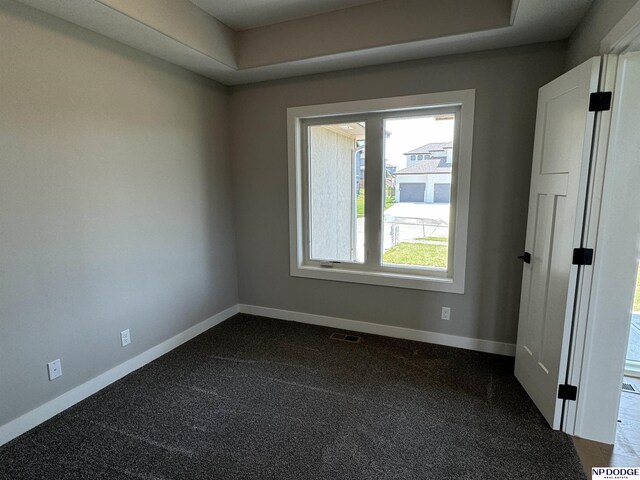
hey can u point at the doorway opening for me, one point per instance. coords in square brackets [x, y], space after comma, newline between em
[632, 364]
[627, 440]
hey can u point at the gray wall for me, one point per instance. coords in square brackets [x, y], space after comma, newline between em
[115, 204]
[601, 18]
[507, 82]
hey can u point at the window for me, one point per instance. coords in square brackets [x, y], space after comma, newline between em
[360, 212]
[419, 157]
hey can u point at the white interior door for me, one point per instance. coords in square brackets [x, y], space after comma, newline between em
[561, 154]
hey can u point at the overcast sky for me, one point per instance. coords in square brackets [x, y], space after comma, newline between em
[410, 133]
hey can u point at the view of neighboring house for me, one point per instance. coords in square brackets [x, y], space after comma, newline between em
[427, 177]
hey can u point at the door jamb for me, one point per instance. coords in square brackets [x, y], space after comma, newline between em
[623, 38]
[577, 368]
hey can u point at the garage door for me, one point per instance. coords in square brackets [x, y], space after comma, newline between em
[442, 193]
[412, 192]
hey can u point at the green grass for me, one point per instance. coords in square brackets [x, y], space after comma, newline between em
[424, 254]
[636, 302]
[388, 202]
[434, 239]
[360, 203]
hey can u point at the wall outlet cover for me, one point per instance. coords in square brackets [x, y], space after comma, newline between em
[55, 369]
[125, 337]
[446, 313]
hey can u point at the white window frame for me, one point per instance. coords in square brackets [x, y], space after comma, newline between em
[450, 281]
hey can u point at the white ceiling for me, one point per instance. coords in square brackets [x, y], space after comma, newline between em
[367, 33]
[245, 14]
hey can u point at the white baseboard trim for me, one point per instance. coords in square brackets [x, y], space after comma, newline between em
[44, 412]
[467, 343]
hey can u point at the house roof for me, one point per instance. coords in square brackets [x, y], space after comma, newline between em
[431, 147]
[432, 165]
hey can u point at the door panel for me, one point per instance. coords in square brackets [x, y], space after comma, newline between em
[562, 150]
[558, 152]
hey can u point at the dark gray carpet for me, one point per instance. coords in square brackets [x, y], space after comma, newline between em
[262, 398]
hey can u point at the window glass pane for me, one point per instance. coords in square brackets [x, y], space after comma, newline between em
[418, 194]
[336, 191]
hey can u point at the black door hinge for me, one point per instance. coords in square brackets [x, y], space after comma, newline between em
[525, 257]
[567, 392]
[600, 101]
[582, 256]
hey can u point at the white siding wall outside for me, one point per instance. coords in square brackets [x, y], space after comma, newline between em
[331, 190]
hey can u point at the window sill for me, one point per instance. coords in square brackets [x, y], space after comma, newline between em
[388, 279]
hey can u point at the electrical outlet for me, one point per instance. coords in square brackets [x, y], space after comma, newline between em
[55, 369]
[446, 313]
[125, 337]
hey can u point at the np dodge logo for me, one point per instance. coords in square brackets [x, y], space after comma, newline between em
[615, 473]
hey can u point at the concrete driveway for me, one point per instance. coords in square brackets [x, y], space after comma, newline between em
[428, 211]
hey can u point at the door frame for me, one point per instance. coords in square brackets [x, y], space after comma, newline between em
[593, 367]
